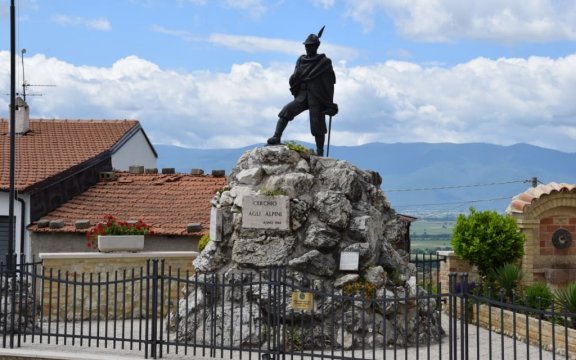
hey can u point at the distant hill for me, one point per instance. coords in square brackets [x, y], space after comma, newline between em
[469, 173]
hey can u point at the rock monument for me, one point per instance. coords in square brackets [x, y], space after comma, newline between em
[328, 225]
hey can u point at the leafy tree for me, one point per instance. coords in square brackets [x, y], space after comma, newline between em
[487, 239]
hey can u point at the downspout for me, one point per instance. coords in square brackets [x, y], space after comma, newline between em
[22, 221]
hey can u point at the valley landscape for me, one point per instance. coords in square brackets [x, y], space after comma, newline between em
[433, 182]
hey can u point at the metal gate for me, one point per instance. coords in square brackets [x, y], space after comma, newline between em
[158, 311]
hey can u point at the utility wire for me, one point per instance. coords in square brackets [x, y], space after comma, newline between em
[455, 203]
[460, 186]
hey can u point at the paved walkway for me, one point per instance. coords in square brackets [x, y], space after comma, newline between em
[481, 346]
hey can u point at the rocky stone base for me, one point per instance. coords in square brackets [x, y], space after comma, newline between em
[334, 208]
[18, 307]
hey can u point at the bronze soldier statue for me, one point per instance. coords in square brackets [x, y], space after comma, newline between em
[312, 85]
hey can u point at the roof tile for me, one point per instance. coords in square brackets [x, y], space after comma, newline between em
[54, 146]
[168, 203]
[522, 200]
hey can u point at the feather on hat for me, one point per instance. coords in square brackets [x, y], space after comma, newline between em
[313, 38]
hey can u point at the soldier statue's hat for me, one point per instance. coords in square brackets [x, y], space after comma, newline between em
[313, 38]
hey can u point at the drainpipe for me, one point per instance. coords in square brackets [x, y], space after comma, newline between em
[22, 222]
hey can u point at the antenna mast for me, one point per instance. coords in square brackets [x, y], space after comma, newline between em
[23, 77]
[24, 83]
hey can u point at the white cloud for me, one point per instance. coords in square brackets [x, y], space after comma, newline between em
[501, 101]
[100, 24]
[193, 2]
[181, 34]
[326, 4]
[447, 20]
[401, 54]
[256, 8]
[255, 44]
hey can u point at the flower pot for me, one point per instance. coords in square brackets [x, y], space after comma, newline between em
[110, 243]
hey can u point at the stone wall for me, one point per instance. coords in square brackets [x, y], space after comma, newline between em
[122, 278]
[542, 260]
[76, 242]
[527, 329]
[454, 264]
[548, 226]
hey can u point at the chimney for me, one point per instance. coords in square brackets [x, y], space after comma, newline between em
[136, 169]
[107, 176]
[22, 122]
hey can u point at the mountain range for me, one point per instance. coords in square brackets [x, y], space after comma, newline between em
[423, 179]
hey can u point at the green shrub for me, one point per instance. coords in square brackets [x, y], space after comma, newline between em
[297, 147]
[538, 296]
[566, 297]
[203, 242]
[360, 287]
[487, 239]
[507, 278]
[221, 190]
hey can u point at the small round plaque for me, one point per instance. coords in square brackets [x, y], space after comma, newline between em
[561, 239]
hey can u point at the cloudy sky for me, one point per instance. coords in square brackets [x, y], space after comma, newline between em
[213, 73]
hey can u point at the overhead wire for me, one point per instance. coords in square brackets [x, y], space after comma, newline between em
[459, 186]
[534, 181]
[456, 202]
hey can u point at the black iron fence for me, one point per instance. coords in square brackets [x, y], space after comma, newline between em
[159, 311]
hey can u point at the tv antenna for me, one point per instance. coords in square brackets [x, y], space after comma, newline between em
[24, 83]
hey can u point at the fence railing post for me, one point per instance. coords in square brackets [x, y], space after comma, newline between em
[11, 289]
[153, 341]
[4, 295]
[464, 316]
[452, 317]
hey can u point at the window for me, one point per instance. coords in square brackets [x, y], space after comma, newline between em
[3, 238]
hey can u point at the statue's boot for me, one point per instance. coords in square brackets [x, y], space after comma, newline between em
[320, 145]
[280, 126]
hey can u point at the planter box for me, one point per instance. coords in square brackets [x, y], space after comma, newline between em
[110, 243]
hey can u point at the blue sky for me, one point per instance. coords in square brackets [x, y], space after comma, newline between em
[213, 74]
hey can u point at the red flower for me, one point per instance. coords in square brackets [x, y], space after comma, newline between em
[111, 226]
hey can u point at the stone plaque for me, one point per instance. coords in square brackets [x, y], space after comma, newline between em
[303, 301]
[215, 224]
[349, 261]
[266, 212]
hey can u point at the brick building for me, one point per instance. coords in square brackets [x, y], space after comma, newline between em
[546, 214]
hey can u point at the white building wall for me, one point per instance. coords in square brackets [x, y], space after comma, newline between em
[136, 151]
[4, 211]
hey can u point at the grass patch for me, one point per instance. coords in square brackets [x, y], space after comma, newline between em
[423, 228]
[430, 235]
[292, 145]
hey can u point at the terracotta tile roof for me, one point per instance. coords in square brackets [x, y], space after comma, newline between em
[520, 201]
[53, 146]
[168, 203]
